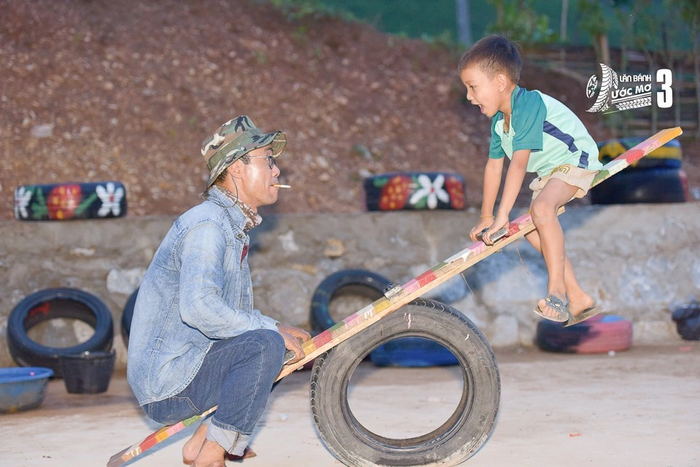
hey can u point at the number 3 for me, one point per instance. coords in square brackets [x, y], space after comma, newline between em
[664, 97]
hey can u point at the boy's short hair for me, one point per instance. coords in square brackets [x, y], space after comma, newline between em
[494, 54]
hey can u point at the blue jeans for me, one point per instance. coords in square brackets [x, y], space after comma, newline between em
[237, 375]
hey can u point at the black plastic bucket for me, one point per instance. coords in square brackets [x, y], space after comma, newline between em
[87, 372]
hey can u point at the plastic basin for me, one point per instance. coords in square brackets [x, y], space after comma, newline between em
[22, 388]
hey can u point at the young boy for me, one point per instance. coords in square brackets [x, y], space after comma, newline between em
[538, 134]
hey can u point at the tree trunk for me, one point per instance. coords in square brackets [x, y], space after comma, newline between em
[604, 48]
[562, 31]
[464, 26]
[696, 64]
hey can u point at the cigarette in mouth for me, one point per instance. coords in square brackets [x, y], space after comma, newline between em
[279, 185]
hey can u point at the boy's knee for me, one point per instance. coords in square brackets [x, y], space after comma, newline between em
[542, 211]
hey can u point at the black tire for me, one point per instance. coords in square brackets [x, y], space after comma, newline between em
[687, 320]
[68, 201]
[346, 281]
[668, 156]
[642, 186]
[460, 436]
[127, 316]
[393, 191]
[52, 304]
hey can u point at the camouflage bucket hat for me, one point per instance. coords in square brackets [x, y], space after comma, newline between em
[233, 140]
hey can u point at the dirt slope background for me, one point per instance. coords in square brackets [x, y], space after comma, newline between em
[98, 90]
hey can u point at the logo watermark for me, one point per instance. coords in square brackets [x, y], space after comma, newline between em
[618, 92]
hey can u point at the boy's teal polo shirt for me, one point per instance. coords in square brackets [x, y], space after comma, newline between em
[549, 129]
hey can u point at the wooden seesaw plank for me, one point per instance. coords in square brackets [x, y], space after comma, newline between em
[399, 296]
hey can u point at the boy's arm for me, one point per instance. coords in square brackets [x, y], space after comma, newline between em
[492, 181]
[511, 189]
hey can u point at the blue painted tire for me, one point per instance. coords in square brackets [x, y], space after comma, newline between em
[412, 352]
[50, 304]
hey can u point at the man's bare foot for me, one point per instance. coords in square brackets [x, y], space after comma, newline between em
[547, 309]
[578, 305]
[210, 455]
[194, 444]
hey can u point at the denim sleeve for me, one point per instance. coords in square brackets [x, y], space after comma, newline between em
[202, 275]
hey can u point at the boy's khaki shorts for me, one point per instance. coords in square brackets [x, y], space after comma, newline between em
[569, 174]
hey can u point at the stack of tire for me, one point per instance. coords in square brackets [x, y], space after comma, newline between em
[655, 178]
[51, 304]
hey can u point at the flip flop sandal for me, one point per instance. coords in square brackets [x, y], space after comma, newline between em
[563, 313]
[583, 316]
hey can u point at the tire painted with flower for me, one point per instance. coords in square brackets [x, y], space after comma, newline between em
[414, 191]
[68, 201]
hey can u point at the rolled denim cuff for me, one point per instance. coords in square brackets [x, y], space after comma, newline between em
[228, 438]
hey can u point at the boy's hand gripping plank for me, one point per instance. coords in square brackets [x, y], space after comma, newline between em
[398, 296]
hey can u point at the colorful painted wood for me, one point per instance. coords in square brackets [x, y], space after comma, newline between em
[403, 294]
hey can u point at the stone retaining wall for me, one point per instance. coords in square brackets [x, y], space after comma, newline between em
[637, 261]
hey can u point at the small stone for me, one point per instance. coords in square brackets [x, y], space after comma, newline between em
[79, 251]
[124, 281]
[44, 130]
[334, 248]
[362, 151]
[288, 243]
[322, 162]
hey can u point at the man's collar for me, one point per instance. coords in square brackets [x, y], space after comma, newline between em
[222, 194]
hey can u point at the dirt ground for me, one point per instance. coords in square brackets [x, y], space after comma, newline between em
[128, 90]
[633, 408]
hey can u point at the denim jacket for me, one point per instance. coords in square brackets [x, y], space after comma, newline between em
[196, 291]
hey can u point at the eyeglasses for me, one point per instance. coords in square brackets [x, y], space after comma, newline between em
[270, 160]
